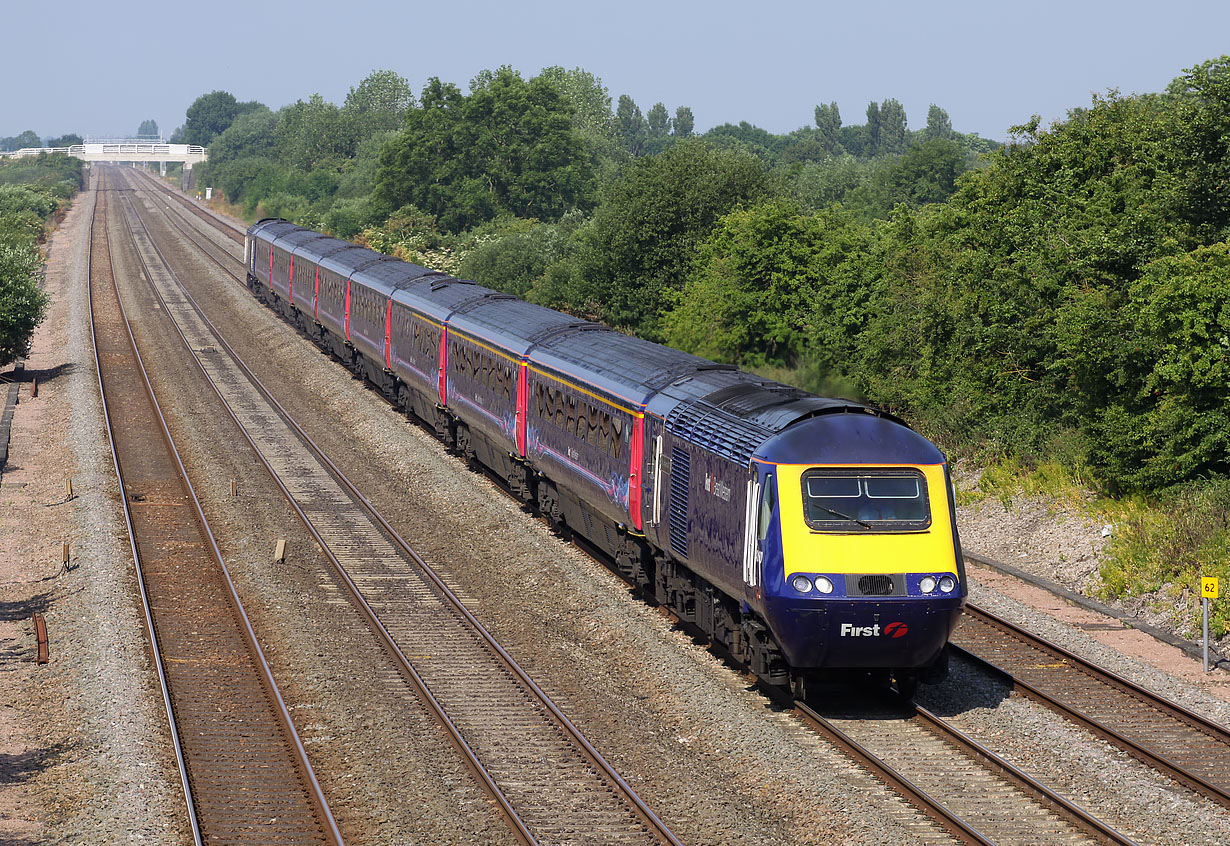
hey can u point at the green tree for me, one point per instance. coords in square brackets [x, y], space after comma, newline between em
[642, 239]
[745, 136]
[588, 97]
[893, 133]
[252, 134]
[312, 134]
[65, 140]
[938, 124]
[509, 147]
[872, 146]
[29, 138]
[828, 124]
[148, 129]
[630, 125]
[23, 304]
[773, 285]
[684, 122]
[591, 115]
[658, 121]
[378, 104]
[208, 116]
[1167, 389]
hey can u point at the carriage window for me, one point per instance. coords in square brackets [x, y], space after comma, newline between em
[866, 500]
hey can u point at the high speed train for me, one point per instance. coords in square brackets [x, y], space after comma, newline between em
[812, 538]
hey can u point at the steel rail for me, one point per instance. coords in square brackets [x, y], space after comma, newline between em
[1073, 813]
[155, 647]
[651, 820]
[1157, 759]
[282, 714]
[920, 798]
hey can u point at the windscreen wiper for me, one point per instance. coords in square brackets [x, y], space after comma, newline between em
[862, 523]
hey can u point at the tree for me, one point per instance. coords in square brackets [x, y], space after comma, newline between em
[630, 125]
[588, 98]
[748, 137]
[29, 138]
[938, 124]
[872, 147]
[508, 147]
[252, 134]
[658, 121]
[312, 134]
[684, 122]
[377, 104]
[208, 116]
[591, 114]
[657, 129]
[893, 135]
[65, 140]
[148, 129]
[1169, 386]
[642, 239]
[23, 304]
[772, 286]
[828, 123]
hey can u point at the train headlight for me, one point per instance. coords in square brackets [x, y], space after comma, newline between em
[823, 584]
[801, 583]
[948, 584]
[926, 584]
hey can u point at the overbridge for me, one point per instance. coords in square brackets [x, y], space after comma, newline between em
[128, 151]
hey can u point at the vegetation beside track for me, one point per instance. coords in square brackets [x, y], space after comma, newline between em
[33, 192]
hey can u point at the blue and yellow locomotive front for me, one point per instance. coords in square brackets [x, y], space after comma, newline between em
[857, 545]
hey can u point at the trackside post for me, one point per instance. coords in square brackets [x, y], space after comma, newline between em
[1208, 591]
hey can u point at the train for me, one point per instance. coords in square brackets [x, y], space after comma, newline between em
[814, 539]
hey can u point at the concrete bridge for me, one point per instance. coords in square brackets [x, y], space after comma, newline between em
[128, 151]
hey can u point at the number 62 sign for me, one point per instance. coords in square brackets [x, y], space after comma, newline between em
[1208, 588]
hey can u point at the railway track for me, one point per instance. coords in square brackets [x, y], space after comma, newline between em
[998, 803]
[245, 776]
[968, 790]
[1159, 733]
[551, 783]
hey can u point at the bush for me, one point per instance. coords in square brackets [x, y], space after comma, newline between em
[23, 304]
[1165, 546]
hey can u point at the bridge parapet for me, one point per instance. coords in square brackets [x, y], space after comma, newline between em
[189, 154]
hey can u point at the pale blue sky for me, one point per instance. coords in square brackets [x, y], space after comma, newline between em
[102, 68]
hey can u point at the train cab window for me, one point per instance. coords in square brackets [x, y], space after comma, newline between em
[768, 502]
[888, 500]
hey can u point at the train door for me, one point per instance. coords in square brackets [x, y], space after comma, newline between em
[761, 503]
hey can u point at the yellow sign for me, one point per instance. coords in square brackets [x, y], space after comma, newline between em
[1208, 588]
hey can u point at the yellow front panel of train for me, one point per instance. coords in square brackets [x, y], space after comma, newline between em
[807, 550]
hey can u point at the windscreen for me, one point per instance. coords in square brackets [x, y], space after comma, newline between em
[862, 500]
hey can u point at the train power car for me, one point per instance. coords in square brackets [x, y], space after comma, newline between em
[813, 538]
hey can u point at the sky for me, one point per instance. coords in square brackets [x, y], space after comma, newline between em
[100, 69]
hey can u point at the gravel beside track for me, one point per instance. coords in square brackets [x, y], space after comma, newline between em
[84, 752]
